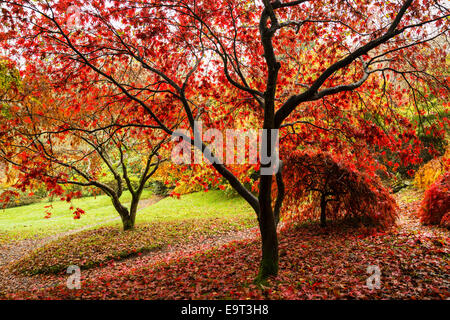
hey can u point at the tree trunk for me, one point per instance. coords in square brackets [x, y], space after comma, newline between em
[323, 212]
[269, 240]
[128, 222]
[133, 209]
[128, 217]
[269, 259]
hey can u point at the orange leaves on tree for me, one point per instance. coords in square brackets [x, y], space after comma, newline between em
[432, 170]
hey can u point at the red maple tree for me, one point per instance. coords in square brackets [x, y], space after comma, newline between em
[57, 139]
[278, 57]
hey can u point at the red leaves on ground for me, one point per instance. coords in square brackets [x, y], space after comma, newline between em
[314, 264]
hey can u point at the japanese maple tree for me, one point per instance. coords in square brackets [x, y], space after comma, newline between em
[337, 188]
[189, 49]
[59, 139]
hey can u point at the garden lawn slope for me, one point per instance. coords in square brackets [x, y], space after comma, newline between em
[171, 221]
[91, 248]
[28, 221]
[211, 204]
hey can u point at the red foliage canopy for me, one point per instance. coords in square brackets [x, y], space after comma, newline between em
[304, 62]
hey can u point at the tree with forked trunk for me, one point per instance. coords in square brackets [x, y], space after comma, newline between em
[189, 49]
[44, 142]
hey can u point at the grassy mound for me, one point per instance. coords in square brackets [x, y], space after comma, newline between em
[91, 248]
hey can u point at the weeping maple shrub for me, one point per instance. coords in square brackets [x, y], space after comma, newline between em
[336, 189]
[435, 207]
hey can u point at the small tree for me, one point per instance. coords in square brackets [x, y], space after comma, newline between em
[336, 188]
[43, 142]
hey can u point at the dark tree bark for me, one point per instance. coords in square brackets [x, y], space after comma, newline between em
[126, 215]
[269, 240]
[323, 211]
[267, 221]
[128, 222]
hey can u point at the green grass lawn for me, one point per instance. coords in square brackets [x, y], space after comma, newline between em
[202, 204]
[28, 221]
